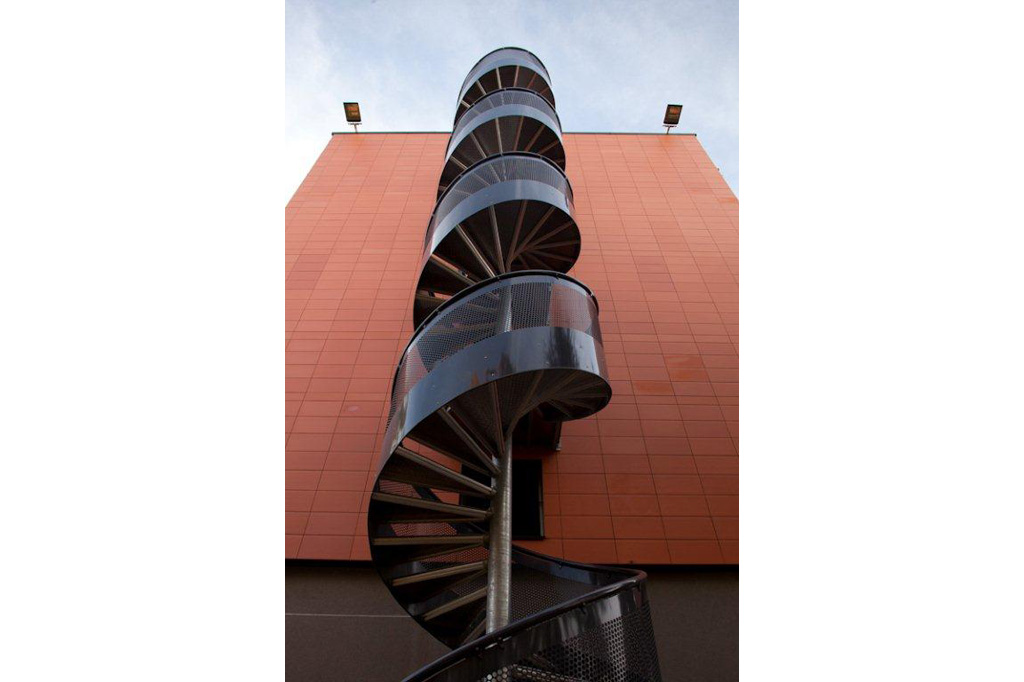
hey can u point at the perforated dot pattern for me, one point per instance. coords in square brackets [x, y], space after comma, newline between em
[491, 172]
[500, 98]
[521, 57]
[506, 305]
[620, 650]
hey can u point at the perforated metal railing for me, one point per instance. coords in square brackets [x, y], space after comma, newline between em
[619, 650]
[532, 299]
[571, 623]
[491, 171]
[503, 56]
[499, 98]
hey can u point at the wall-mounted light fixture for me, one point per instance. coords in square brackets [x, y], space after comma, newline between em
[672, 113]
[352, 115]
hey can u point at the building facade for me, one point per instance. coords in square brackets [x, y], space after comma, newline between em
[650, 480]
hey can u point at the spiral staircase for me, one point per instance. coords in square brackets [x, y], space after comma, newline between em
[505, 343]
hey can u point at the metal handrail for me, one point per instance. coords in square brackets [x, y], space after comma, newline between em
[635, 579]
[476, 166]
[507, 47]
[542, 105]
[475, 72]
[494, 157]
[430, 319]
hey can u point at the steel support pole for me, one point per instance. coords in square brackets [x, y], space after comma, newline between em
[499, 560]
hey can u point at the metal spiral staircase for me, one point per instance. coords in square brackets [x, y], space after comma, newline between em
[504, 340]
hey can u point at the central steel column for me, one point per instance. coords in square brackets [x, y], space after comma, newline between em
[499, 561]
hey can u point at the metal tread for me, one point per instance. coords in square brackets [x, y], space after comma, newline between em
[459, 483]
[413, 540]
[423, 576]
[455, 603]
[430, 505]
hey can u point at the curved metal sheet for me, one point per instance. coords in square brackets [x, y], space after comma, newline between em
[502, 50]
[510, 190]
[531, 343]
[509, 177]
[610, 627]
[511, 102]
[506, 56]
[499, 357]
[507, 110]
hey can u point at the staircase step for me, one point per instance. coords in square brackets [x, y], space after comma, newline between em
[429, 301]
[423, 596]
[471, 567]
[428, 435]
[434, 475]
[393, 555]
[435, 511]
[476, 627]
[450, 272]
[429, 540]
[483, 455]
[455, 604]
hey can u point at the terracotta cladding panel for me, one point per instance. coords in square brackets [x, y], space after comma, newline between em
[651, 479]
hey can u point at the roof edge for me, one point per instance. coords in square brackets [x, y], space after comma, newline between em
[449, 132]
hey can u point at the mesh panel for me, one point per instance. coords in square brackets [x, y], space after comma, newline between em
[542, 302]
[509, 135]
[414, 528]
[620, 650]
[566, 310]
[468, 586]
[533, 591]
[492, 172]
[396, 488]
[487, 63]
[462, 556]
[501, 98]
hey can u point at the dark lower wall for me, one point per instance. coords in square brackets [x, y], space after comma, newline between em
[342, 624]
[696, 622]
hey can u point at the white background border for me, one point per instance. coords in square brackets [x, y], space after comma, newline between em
[881, 366]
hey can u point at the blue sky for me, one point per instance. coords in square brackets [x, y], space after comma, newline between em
[614, 66]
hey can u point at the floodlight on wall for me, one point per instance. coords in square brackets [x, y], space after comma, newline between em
[352, 115]
[672, 113]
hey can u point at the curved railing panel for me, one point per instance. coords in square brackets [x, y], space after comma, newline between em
[508, 177]
[501, 98]
[508, 325]
[504, 68]
[509, 120]
[501, 57]
[605, 634]
[508, 213]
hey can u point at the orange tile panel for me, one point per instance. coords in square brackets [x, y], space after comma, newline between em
[651, 479]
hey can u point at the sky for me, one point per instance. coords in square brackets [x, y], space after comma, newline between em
[613, 65]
